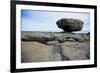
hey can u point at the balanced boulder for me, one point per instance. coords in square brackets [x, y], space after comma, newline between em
[69, 24]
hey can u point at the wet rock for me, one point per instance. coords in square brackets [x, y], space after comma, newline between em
[70, 25]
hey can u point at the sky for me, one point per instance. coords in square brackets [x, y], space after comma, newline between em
[45, 21]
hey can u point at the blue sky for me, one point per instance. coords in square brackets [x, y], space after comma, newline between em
[46, 20]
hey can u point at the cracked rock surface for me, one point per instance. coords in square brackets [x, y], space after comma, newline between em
[53, 46]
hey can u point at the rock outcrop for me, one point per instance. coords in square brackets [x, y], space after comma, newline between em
[44, 37]
[69, 24]
[47, 46]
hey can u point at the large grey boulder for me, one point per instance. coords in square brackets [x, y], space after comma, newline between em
[71, 53]
[35, 52]
[69, 24]
[85, 46]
